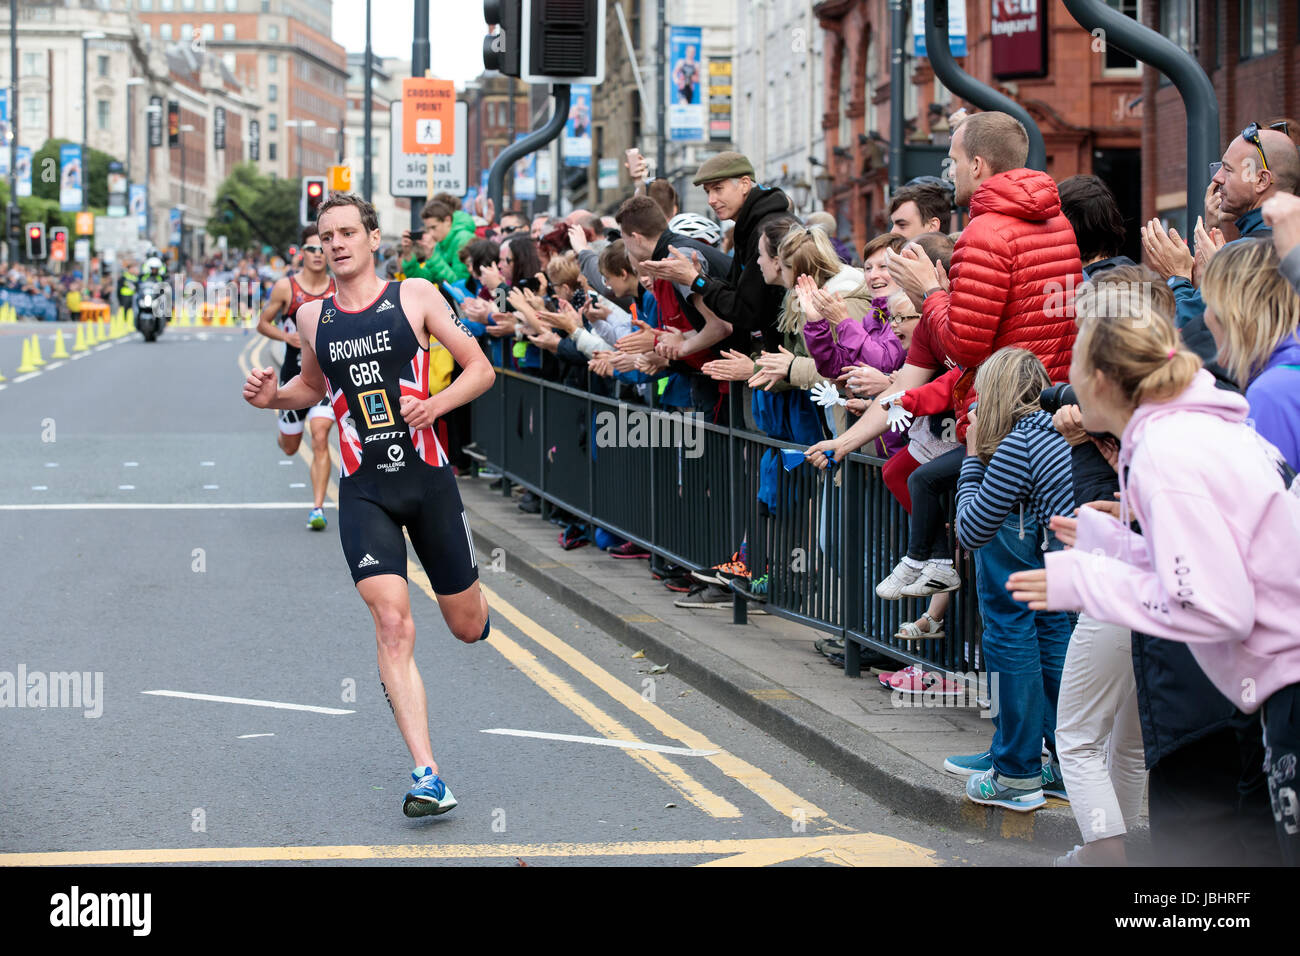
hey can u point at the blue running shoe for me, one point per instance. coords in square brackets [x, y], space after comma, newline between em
[1053, 783]
[429, 796]
[969, 764]
[984, 788]
[316, 520]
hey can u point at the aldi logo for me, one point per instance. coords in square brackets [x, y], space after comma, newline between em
[374, 405]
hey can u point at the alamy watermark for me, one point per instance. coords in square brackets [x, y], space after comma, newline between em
[973, 689]
[643, 428]
[78, 690]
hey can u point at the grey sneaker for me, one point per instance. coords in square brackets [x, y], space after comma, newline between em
[1053, 782]
[966, 765]
[983, 788]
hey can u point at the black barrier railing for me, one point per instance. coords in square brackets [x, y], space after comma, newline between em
[691, 492]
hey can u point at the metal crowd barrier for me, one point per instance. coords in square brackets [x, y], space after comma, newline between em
[692, 499]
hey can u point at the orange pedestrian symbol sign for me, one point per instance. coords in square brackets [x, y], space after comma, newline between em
[428, 116]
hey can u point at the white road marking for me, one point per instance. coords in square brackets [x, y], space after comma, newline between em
[51, 464]
[248, 736]
[100, 348]
[297, 484]
[211, 487]
[286, 461]
[206, 464]
[40, 487]
[130, 464]
[23, 378]
[161, 506]
[278, 705]
[605, 742]
[126, 487]
[79, 355]
[53, 365]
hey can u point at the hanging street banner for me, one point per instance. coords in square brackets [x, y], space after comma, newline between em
[577, 131]
[140, 205]
[608, 175]
[116, 189]
[685, 109]
[1019, 39]
[525, 172]
[254, 140]
[219, 127]
[408, 173]
[155, 120]
[956, 27]
[720, 100]
[428, 108]
[4, 132]
[70, 177]
[24, 162]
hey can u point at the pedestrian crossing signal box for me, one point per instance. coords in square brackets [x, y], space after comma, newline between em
[35, 240]
[314, 192]
[59, 244]
[546, 41]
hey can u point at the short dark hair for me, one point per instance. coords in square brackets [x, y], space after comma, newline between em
[642, 215]
[933, 202]
[937, 246]
[435, 208]
[367, 212]
[614, 260]
[308, 231]
[479, 253]
[1090, 207]
[662, 192]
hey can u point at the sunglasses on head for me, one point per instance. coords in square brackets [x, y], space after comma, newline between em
[312, 249]
[1251, 135]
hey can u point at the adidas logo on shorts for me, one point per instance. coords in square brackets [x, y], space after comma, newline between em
[367, 561]
[388, 304]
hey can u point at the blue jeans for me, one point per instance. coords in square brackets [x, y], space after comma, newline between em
[1024, 651]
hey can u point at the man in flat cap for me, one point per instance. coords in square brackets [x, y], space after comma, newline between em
[741, 297]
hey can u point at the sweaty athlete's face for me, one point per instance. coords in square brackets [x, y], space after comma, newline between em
[348, 247]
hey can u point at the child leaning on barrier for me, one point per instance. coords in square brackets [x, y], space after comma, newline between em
[1216, 565]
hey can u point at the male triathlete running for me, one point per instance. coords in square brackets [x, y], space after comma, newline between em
[367, 347]
[287, 296]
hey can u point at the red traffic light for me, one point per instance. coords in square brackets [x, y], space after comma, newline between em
[314, 190]
[293, 250]
[34, 232]
[59, 235]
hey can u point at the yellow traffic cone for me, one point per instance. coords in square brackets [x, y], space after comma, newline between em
[80, 344]
[60, 350]
[36, 350]
[27, 364]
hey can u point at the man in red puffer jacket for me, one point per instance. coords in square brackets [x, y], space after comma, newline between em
[1014, 268]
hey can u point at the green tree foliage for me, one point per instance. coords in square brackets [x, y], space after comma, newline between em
[45, 173]
[271, 203]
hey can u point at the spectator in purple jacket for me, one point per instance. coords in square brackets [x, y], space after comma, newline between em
[1253, 314]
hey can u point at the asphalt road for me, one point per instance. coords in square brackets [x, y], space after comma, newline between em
[184, 565]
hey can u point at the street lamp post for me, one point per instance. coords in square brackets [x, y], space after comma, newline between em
[131, 84]
[298, 125]
[186, 128]
[85, 107]
[335, 131]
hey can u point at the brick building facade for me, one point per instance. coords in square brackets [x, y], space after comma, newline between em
[1087, 104]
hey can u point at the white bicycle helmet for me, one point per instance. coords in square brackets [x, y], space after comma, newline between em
[694, 226]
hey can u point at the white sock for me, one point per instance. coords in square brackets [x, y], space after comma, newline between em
[913, 563]
[947, 561]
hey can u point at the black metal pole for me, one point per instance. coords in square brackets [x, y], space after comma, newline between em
[367, 175]
[559, 172]
[534, 140]
[510, 134]
[661, 123]
[1199, 101]
[897, 29]
[85, 110]
[419, 64]
[13, 126]
[968, 88]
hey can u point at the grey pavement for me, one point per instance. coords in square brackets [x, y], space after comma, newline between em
[245, 603]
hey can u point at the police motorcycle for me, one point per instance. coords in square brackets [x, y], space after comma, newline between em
[151, 300]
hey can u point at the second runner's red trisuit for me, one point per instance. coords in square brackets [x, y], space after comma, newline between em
[292, 419]
[391, 476]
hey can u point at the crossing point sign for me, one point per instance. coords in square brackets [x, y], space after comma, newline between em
[410, 171]
[429, 124]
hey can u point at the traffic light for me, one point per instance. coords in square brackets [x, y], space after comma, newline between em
[293, 251]
[15, 223]
[546, 41]
[313, 194]
[35, 240]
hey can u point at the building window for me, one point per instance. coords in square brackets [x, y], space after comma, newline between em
[266, 6]
[272, 92]
[148, 31]
[32, 63]
[209, 31]
[165, 31]
[232, 5]
[273, 32]
[1115, 58]
[187, 32]
[272, 121]
[209, 5]
[270, 151]
[102, 112]
[166, 5]
[1178, 22]
[32, 115]
[273, 63]
[146, 4]
[187, 4]
[101, 64]
[1258, 28]
[227, 31]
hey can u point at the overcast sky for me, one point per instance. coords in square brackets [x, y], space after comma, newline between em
[456, 32]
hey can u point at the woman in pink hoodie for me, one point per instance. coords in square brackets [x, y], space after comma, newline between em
[1217, 564]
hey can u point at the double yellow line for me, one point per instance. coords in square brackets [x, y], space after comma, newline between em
[775, 794]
